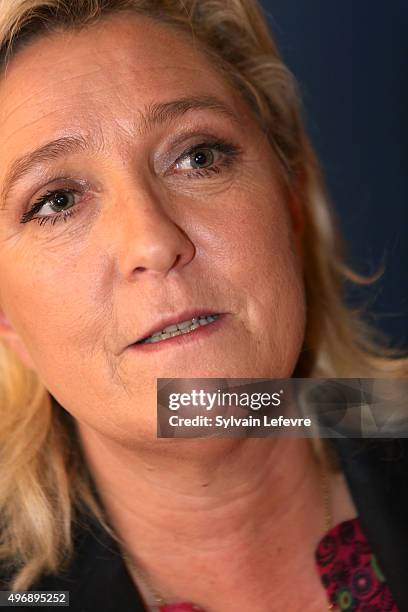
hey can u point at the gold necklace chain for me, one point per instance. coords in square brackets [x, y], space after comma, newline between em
[160, 601]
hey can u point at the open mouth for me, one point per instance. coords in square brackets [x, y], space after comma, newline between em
[177, 329]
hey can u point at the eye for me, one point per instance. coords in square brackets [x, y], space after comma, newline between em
[203, 158]
[57, 201]
[207, 159]
[200, 158]
[52, 205]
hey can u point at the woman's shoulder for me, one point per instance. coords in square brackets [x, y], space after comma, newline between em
[375, 470]
[383, 460]
[95, 578]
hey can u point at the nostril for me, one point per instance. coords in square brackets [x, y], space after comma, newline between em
[174, 264]
[176, 261]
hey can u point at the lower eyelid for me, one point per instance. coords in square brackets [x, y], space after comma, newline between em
[53, 219]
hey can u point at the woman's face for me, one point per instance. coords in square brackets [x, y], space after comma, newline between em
[142, 230]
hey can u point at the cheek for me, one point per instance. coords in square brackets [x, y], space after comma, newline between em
[276, 298]
[265, 265]
[49, 305]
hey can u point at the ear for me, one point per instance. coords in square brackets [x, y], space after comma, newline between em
[13, 341]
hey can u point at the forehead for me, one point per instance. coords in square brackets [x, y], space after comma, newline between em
[100, 77]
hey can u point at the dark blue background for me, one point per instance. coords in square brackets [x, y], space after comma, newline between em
[350, 58]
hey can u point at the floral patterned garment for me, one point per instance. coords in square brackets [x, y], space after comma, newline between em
[350, 572]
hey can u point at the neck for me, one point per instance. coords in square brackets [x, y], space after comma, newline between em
[194, 506]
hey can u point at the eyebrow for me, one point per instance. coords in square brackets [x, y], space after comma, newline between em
[154, 114]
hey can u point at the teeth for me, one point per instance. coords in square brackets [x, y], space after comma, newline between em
[184, 324]
[185, 327]
[170, 328]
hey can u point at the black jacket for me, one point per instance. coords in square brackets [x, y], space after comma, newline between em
[377, 474]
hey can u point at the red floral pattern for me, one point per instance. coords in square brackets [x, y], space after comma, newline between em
[350, 571]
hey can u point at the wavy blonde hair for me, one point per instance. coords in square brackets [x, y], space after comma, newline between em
[44, 480]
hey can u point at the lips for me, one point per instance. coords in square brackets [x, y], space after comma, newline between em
[176, 318]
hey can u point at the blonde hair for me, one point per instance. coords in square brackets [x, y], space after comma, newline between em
[43, 478]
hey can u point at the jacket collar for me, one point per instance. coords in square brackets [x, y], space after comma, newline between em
[97, 577]
[376, 472]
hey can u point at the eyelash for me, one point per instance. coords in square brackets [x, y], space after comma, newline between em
[229, 150]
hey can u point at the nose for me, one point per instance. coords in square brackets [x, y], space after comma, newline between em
[145, 238]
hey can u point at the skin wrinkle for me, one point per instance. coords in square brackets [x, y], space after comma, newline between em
[225, 243]
[79, 77]
[148, 119]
